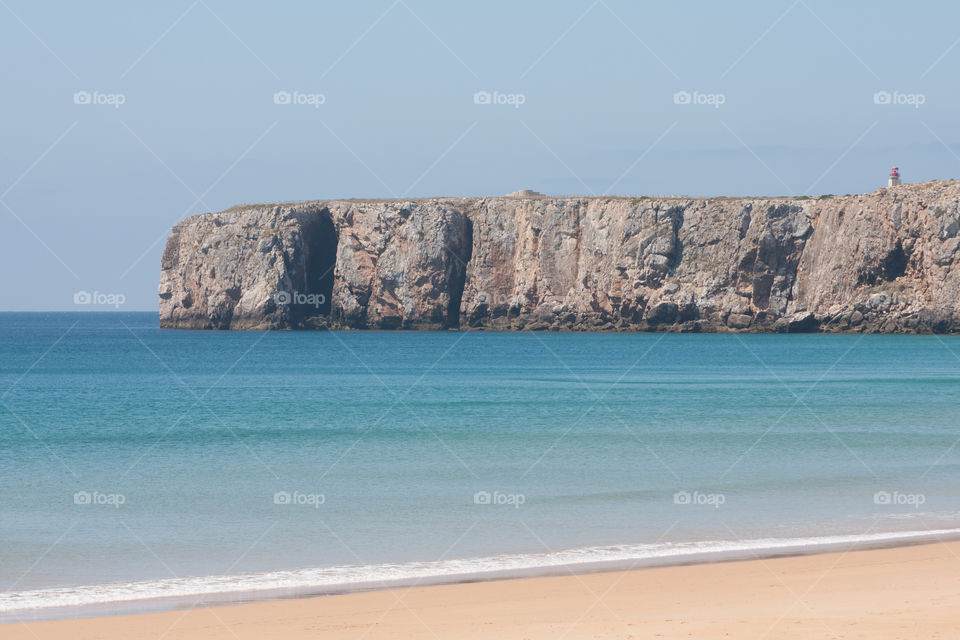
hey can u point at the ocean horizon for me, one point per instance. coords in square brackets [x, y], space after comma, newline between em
[144, 469]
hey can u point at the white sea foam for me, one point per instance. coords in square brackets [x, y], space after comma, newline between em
[344, 578]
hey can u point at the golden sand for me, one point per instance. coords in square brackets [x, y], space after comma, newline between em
[906, 592]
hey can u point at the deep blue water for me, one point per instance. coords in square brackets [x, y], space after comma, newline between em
[185, 442]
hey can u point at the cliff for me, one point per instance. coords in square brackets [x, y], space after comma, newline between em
[878, 262]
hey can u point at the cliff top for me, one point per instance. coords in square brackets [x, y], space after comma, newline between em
[936, 186]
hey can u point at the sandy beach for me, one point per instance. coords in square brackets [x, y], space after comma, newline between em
[906, 592]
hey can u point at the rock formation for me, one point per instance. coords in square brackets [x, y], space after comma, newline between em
[879, 262]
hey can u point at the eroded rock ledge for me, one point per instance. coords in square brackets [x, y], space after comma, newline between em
[879, 262]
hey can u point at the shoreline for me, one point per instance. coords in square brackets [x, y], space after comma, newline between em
[670, 555]
[876, 593]
[694, 328]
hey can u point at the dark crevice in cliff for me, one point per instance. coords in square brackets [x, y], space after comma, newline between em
[677, 215]
[458, 274]
[311, 306]
[895, 263]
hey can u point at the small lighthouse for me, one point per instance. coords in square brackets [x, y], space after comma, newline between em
[894, 180]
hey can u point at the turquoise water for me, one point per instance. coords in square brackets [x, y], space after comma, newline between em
[137, 463]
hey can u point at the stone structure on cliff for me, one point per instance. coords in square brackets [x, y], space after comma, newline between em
[878, 262]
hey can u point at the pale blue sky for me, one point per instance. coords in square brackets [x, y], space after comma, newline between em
[89, 191]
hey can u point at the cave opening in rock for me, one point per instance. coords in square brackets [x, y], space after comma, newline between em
[320, 241]
[895, 263]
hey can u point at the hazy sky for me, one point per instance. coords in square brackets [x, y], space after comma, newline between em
[120, 118]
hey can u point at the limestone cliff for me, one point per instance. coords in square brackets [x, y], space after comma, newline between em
[875, 262]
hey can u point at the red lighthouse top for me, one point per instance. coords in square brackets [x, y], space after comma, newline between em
[895, 172]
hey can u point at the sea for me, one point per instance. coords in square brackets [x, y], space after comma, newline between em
[144, 469]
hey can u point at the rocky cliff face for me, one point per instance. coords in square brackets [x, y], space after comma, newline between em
[876, 262]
